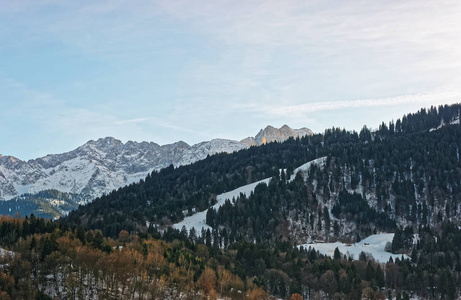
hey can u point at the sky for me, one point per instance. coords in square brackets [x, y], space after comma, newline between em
[164, 71]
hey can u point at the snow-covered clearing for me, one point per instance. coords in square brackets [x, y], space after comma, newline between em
[373, 245]
[198, 220]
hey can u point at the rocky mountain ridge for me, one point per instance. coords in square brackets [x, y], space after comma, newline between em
[272, 134]
[101, 166]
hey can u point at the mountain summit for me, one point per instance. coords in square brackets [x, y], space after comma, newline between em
[272, 134]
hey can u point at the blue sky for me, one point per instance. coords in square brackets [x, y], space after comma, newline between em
[164, 71]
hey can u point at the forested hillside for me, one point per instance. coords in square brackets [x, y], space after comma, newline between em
[365, 186]
[46, 204]
[404, 169]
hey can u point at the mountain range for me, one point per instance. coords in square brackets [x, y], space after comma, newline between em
[100, 166]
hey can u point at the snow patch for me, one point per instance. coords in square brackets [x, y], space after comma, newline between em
[4, 253]
[373, 245]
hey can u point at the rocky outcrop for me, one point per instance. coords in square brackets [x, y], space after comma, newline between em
[272, 134]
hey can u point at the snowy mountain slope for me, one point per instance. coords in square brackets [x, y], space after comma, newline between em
[100, 166]
[95, 168]
[202, 150]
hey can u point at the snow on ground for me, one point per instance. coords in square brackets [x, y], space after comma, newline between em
[4, 253]
[198, 220]
[453, 122]
[373, 245]
[304, 168]
[21, 189]
[69, 177]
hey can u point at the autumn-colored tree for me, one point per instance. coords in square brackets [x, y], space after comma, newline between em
[370, 294]
[296, 296]
[207, 281]
[257, 294]
[224, 278]
[212, 295]
[6, 283]
[154, 261]
[4, 296]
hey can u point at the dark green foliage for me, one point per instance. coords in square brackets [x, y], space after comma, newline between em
[380, 281]
[436, 255]
[353, 206]
[81, 235]
[10, 232]
[47, 245]
[42, 296]
[337, 254]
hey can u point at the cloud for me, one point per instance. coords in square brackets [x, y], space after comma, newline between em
[161, 123]
[323, 23]
[139, 120]
[412, 42]
[295, 52]
[296, 111]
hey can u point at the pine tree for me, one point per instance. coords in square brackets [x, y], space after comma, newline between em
[337, 254]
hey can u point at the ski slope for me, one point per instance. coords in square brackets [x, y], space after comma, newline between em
[373, 245]
[198, 220]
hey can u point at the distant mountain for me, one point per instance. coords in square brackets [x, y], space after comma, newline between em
[98, 167]
[202, 150]
[271, 134]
